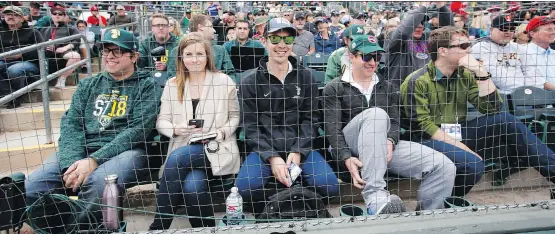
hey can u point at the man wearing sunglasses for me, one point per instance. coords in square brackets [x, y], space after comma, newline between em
[539, 57]
[338, 62]
[102, 133]
[67, 51]
[280, 115]
[435, 101]
[503, 59]
[362, 126]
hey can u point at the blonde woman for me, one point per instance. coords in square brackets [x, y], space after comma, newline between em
[175, 27]
[521, 36]
[201, 103]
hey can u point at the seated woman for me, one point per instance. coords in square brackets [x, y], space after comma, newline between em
[198, 92]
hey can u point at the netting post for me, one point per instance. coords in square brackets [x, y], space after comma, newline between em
[43, 68]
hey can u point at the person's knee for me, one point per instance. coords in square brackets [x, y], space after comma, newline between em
[195, 183]
[21, 69]
[72, 56]
[377, 117]
[183, 154]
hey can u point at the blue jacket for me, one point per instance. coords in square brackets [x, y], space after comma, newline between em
[327, 46]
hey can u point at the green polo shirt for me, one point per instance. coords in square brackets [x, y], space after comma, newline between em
[430, 99]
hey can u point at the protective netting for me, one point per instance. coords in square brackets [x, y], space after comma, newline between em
[322, 114]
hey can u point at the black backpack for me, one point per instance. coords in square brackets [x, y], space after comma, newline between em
[12, 202]
[295, 202]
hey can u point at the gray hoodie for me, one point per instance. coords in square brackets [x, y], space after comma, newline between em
[405, 54]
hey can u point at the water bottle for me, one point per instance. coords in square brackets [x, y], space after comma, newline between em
[111, 196]
[234, 208]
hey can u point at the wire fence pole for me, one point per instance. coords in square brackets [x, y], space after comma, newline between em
[43, 68]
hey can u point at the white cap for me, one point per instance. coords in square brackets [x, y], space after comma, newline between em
[234, 189]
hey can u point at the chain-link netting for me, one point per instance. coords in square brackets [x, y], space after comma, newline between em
[275, 116]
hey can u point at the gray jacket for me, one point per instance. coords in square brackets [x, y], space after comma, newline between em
[405, 54]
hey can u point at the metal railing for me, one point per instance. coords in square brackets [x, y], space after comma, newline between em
[45, 77]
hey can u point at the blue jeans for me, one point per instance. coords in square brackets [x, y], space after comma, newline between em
[13, 76]
[480, 134]
[129, 166]
[255, 173]
[185, 182]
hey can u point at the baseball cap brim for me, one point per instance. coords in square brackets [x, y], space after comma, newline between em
[370, 49]
[119, 44]
[291, 30]
[13, 12]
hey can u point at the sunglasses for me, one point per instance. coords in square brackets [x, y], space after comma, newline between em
[507, 29]
[371, 56]
[58, 13]
[274, 39]
[462, 46]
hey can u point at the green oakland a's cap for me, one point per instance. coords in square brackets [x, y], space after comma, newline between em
[364, 44]
[121, 38]
[354, 30]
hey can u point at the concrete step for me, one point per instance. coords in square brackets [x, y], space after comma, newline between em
[30, 116]
[55, 94]
[80, 76]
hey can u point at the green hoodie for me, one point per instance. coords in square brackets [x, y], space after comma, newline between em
[108, 116]
[149, 44]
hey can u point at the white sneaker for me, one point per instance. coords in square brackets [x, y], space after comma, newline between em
[61, 83]
[392, 205]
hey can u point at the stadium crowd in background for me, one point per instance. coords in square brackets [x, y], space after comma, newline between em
[392, 79]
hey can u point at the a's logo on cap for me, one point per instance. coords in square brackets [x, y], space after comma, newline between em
[115, 33]
[359, 30]
[372, 39]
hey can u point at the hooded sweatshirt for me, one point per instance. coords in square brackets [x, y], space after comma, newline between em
[405, 54]
[149, 44]
[108, 117]
[16, 39]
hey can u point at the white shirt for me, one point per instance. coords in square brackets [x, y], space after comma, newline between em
[539, 63]
[347, 77]
[505, 64]
[290, 69]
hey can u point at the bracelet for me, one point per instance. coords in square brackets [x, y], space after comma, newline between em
[484, 77]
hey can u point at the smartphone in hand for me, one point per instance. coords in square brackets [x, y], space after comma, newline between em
[198, 123]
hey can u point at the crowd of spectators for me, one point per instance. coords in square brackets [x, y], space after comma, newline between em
[386, 71]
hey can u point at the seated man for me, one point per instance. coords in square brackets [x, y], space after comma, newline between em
[161, 37]
[277, 102]
[501, 58]
[435, 101]
[244, 42]
[338, 62]
[325, 41]
[202, 24]
[18, 70]
[539, 57]
[102, 133]
[65, 52]
[362, 126]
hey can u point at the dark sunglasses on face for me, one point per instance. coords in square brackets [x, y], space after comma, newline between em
[58, 13]
[462, 46]
[371, 56]
[274, 39]
[507, 29]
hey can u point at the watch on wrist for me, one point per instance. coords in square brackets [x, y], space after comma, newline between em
[488, 76]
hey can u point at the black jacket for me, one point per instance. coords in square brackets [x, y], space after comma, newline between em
[23, 37]
[279, 118]
[62, 31]
[342, 102]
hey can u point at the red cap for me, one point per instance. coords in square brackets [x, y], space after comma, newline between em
[457, 8]
[94, 8]
[538, 21]
[493, 8]
[512, 9]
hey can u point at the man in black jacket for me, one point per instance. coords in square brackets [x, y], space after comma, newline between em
[18, 70]
[279, 115]
[66, 51]
[362, 125]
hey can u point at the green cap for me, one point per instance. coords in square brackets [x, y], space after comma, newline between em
[122, 38]
[354, 30]
[364, 44]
